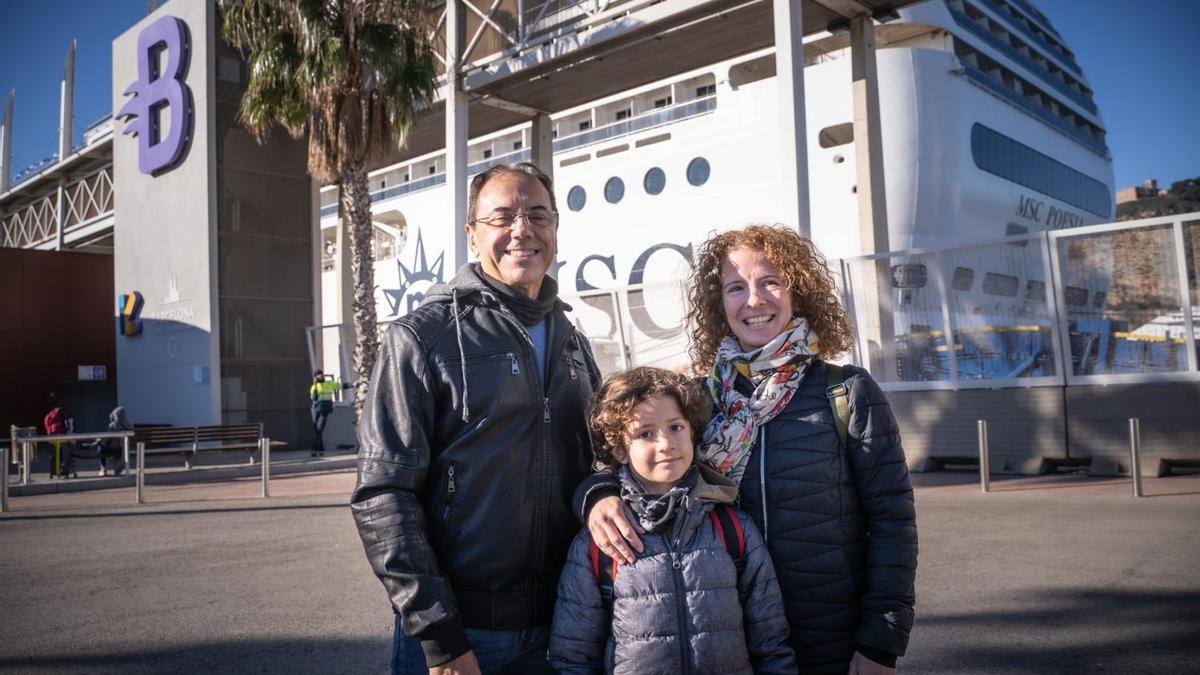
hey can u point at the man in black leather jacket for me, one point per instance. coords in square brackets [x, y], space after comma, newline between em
[472, 440]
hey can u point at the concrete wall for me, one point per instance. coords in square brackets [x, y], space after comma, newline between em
[1056, 423]
[1024, 425]
[1099, 422]
[165, 241]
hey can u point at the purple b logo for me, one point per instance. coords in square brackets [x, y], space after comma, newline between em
[154, 90]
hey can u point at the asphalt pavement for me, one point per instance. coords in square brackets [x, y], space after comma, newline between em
[1055, 574]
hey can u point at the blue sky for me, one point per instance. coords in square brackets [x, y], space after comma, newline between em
[1139, 55]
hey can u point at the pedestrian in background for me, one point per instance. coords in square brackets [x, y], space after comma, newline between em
[321, 394]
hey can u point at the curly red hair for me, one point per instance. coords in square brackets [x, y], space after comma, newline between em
[803, 268]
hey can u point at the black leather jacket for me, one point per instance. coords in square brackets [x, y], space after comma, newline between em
[466, 465]
[839, 522]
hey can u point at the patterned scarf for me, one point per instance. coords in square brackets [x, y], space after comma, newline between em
[653, 511]
[776, 369]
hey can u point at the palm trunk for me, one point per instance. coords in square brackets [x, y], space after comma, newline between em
[356, 208]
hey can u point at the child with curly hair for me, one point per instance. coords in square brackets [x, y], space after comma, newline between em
[702, 597]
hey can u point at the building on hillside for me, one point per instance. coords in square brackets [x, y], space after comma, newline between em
[1144, 191]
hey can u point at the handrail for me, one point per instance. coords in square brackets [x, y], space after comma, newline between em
[57, 438]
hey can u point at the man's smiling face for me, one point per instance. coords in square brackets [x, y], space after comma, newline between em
[519, 255]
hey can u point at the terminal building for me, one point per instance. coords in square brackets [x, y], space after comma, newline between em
[947, 155]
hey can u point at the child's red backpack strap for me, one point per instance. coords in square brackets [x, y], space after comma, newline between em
[604, 569]
[729, 528]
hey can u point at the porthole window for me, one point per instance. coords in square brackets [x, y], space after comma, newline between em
[576, 198]
[655, 181]
[698, 171]
[614, 190]
[838, 134]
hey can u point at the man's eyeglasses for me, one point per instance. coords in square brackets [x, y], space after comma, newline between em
[540, 218]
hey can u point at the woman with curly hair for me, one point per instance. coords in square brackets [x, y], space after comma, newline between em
[838, 517]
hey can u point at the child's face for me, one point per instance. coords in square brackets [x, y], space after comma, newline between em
[658, 443]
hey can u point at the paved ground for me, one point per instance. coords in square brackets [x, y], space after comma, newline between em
[1050, 574]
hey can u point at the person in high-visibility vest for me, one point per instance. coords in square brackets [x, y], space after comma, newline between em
[321, 394]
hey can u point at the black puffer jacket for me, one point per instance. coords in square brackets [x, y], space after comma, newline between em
[466, 466]
[839, 523]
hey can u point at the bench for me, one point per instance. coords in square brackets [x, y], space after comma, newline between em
[190, 441]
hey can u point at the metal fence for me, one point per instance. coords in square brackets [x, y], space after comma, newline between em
[1090, 305]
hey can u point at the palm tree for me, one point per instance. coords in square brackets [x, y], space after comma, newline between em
[352, 74]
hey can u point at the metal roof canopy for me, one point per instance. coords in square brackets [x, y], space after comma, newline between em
[626, 45]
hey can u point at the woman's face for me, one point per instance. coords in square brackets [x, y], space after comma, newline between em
[757, 301]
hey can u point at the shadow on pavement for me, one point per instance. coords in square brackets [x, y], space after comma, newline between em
[261, 655]
[1069, 630]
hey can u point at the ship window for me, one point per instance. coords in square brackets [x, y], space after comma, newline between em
[1098, 300]
[909, 275]
[1002, 156]
[1000, 284]
[432, 170]
[576, 198]
[963, 278]
[706, 90]
[1075, 295]
[585, 125]
[698, 171]
[516, 145]
[614, 190]
[1035, 290]
[487, 154]
[838, 134]
[654, 181]
[662, 102]
[623, 114]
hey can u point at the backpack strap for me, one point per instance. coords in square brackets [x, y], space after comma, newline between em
[839, 400]
[729, 528]
[604, 569]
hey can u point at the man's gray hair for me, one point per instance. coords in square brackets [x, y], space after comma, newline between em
[527, 168]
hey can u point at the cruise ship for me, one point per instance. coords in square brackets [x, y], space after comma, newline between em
[989, 130]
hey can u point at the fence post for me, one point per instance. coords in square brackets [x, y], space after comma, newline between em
[139, 485]
[125, 452]
[264, 445]
[1135, 458]
[4, 454]
[984, 465]
[26, 458]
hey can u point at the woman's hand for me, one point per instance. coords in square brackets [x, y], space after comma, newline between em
[466, 664]
[861, 665]
[614, 530]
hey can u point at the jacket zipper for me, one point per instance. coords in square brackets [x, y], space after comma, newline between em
[451, 488]
[512, 358]
[680, 605]
[762, 477]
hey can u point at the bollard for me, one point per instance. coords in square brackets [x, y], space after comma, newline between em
[984, 478]
[265, 446]
[139, 485]
[25, 469]
[125, 452]
[1135, 458]
[4, 487]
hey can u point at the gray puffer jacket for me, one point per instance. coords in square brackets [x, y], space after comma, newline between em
[839, 522]
[681, 607]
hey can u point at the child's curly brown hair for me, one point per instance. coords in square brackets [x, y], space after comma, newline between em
[621, 393]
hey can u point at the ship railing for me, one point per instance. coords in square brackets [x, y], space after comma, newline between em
[641, 122]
